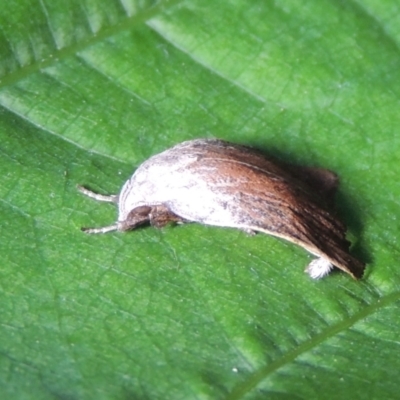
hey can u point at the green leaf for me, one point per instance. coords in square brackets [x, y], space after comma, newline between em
[88, 90]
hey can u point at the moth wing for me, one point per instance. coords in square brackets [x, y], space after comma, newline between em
[256, 193]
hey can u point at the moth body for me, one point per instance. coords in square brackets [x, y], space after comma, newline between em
[214, 182]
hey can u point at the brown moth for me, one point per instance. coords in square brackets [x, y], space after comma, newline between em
[214, 182]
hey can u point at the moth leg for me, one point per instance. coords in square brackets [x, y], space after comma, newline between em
[161, 216]
[136, 217]
[104, 229]
[250, 232]
[319, 267]
[99, 197]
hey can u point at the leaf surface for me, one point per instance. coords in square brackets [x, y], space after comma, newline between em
[90, 89]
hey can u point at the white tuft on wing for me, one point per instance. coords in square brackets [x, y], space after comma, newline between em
[319, 267]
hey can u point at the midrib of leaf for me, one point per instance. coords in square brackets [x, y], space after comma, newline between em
[97, 37]
[61, 137]
[254, 379]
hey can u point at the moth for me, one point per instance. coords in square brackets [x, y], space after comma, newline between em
[214, 182]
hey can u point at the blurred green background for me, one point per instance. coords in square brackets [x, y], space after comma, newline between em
[88, 90]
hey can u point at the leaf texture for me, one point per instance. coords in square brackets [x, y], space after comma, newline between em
[88, 90]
